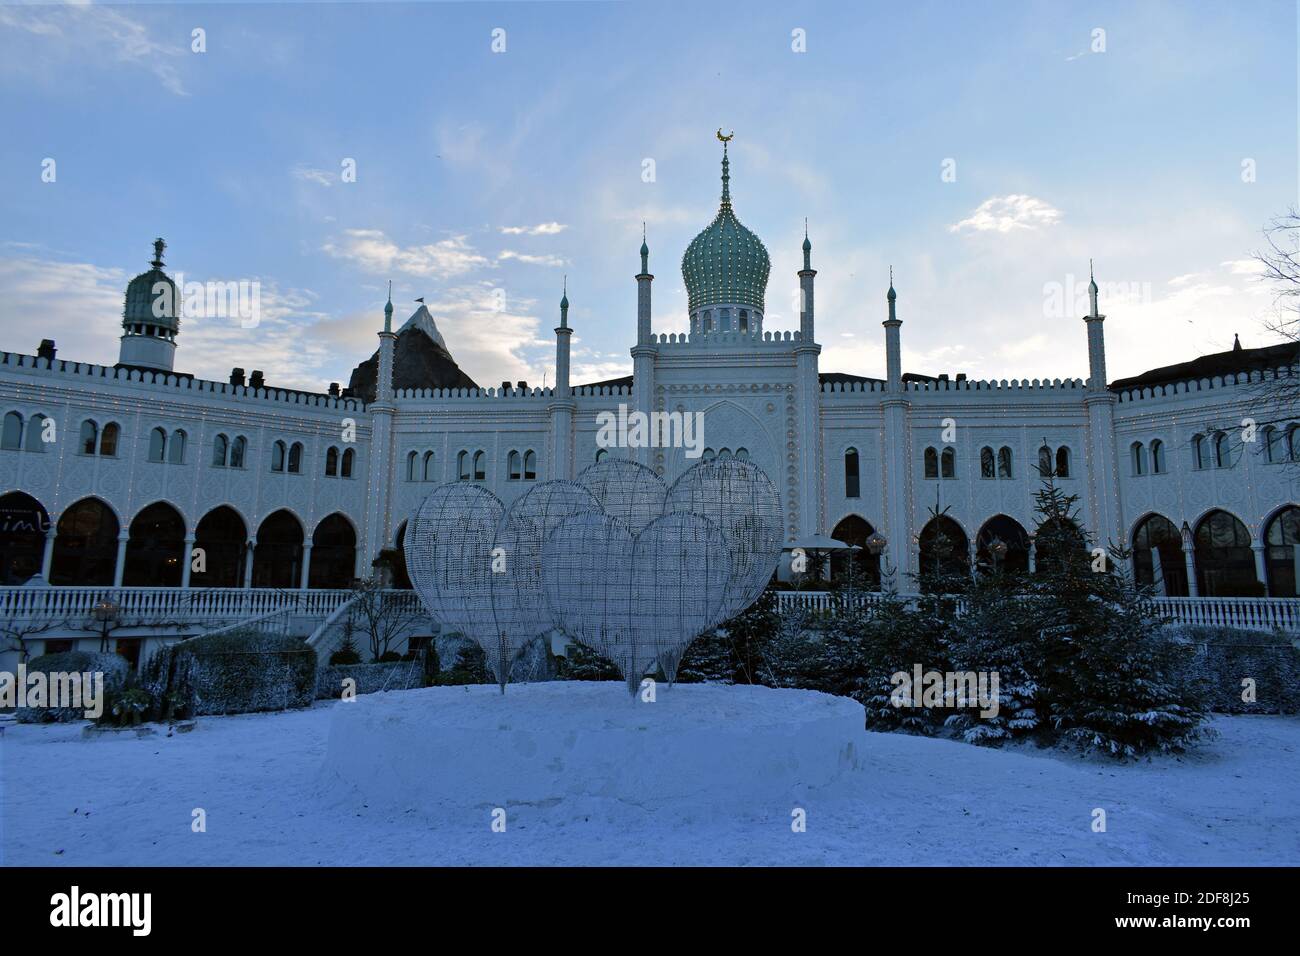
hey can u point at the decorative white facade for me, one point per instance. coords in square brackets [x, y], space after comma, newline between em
[840, 448]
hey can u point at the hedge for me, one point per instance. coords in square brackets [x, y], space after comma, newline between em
[114, 667]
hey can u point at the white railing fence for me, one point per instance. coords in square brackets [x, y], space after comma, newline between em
[1246, 613]
[164, 606]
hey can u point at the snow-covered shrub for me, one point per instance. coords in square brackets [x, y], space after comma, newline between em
[248, 670]
[470, 667]
[734, 652]
[583, 663]
[369, 678]
[1244, 672]
[347, 652]
[114, 667]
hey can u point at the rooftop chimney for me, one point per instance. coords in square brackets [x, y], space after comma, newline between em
[256, 380]
[523, 386]
[46, 349]
[236, 376]
[334, 389]
[505, 386]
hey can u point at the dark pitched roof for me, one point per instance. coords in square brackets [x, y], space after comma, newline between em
[1218, 363]
[625, 381]
[418, 362]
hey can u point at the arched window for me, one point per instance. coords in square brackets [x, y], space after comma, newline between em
[1157, 457]
[426, 473]
[1271, 443]
[1198, 452]
[157, 445]
[349, 458]
[601, 454]
[480, 466]
[277, 559]
[1044, 461]
[295, 458]
[24, 523]
[724, 454]
[948, 464]
[176, 447]
[1225, 564]
[108, 440]
[156, 549]
[865, 566]
[1004, 462]
[998, 531]
[530, 466]
[220, 448]
[411, 464]
[1062, 462]
[462, 466]
[852, 482]
[277, 456]
[333, 554]
[85, 548]
[1282, 555]
[1222, 451]
[513, 469]
[708, 455]
[742, 454]
[36, 433]
[945, 554]
[931, 463]
[744, 320]
[223, 536]
[237, 449]
[89, 437]
[1158, 561]
[12, 438]
[332, 462]
[1139, 453]
[1293, 442]
[986, 462]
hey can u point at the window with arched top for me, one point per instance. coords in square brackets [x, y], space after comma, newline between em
[12, 437]
[1004, 462]
[931, 463]
[1222, 451]
[108, 440]
[852, 479]
[708, 455]
[426, 467]
[1198, 452]
[601, 454]
[744, 320]
[237, 449]
[1293, 443]
[220, 449]
[277, 456]
[1044, 461]
[462, 466]
[295, 458]
[349, 457]
[742, 454]
[89, 437]
[480, 465]
[176, 447]
[1063, 462]
[35, 440]
[157, 445]
[1157, 457]
[948, 463]
[986, 462]
[412, 465]
[514, 466]
[1270, 442]
[1138, 453]
[530, 466]
[331, 462]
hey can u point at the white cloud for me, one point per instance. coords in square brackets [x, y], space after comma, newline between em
[546, 260]
[541, 229]
[308, 174]
[1007, 213]
[1244, 267]
[90, 32]
[373, 251]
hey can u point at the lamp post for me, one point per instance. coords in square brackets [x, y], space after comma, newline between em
[876, 545]
[106, 612]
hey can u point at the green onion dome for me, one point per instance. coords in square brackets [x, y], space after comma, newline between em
[143, 291]
[726, 264]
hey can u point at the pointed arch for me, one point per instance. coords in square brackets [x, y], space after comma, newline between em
[156, 548]
[1282, 552]
[333, 553]
[277, 559]
[855, 530]
[944, 552]
[222, 534]
[85, 546]
[1158, 560]
[1005, 533]
[23, 525]
[1225, 563]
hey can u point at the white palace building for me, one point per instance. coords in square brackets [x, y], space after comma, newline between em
[287, 491]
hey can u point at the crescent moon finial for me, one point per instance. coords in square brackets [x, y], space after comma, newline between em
[728, 138]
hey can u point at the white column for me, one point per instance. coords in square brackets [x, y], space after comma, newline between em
[1261, 567]
[187, 562]
[122, 538]
[47, 559]
[249, 551]
[306, 565]
[1189, 559]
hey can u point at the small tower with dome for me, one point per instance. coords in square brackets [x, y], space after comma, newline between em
[151, 318]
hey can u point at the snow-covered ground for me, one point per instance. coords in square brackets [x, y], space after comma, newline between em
[259, 778]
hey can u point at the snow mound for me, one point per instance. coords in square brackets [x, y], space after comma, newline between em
[707, 747]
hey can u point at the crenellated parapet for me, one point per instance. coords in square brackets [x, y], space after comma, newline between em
[87, 375]
[1199, 386]
[712, 340]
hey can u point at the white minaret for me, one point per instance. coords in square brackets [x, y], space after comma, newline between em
[808, 399]
[562, 408]
[1105, 515]
[644, 352]
[897, 453]
[379, 531]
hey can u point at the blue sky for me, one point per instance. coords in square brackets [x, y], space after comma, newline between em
[480, 171]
